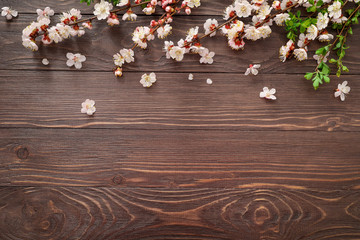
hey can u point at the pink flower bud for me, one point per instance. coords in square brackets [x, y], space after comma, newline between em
[188, 10]
[153, 23]
[169, 20]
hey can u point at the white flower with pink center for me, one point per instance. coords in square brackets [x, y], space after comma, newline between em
[75, 60]
[88, 107]
[268, 93]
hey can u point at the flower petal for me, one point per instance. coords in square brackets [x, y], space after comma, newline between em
[272, 91]
[272, 97]
[342, 97]
[254, 71]
[78, 65]
[82, 58]
[262, 94]
[247, 71]
[70, 55]
[70, 62]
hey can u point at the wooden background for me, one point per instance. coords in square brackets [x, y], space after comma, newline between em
[183, 159]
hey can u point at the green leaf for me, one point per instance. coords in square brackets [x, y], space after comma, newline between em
[316, 83]
[326, 79]
[338, 73]
[319, 51]
[302, 28]
[350, 31]
[325, 69]
[308, 75]
[342, 53]
[332, 61]
[311, 9]
[319, 3]
[345, 69]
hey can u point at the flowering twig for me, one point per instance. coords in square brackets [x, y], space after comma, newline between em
[129, 6]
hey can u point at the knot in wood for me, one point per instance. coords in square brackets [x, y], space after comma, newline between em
[118, 179]
[22, 153]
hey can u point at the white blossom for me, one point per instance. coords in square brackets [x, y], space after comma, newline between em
[148, 79]
[118, 59]
[75, 59]
[102, 9]
[45, 61]
[209, 81]
[141, 35]
[210, 26]
[264, 11]
[322, 21]
[192, 3]
[167, 47]
[300, 54]
[268, 94]
[325, 37]
[164, 31]
[46, 13]
[265, 31]
[177, 53]
[192, 33]
[229, 12]
[312, 32]
[128, 55]
[129, 15]
[281, 18]
[243, 8]
[113, 20]
[335, 10]
[252, 69]
[88, 107]
[8, 13]
[149, 10]
[339, 20]
[206, 56]
[285, 50]
[252, 33]
[28, 43]
[122, 3]
[191, 77]
[54, 34]
[320, 59]
[341, 90]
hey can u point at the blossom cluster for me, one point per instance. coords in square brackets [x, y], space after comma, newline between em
[177, 51]
[63, 30]
[161, 28]
[316, 30]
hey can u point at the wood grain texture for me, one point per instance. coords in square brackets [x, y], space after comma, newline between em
[102, 42]
[112, 213]
[179, 159]
[52, 100]
[183, 159]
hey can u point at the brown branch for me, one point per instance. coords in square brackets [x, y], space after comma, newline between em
[113, 11]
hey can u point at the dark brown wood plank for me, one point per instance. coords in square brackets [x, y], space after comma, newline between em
[99, 45]
[53, 99]
[112, 213]
[187, 158]
[208, 7]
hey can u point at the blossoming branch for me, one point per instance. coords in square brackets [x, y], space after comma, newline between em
[322, 15]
